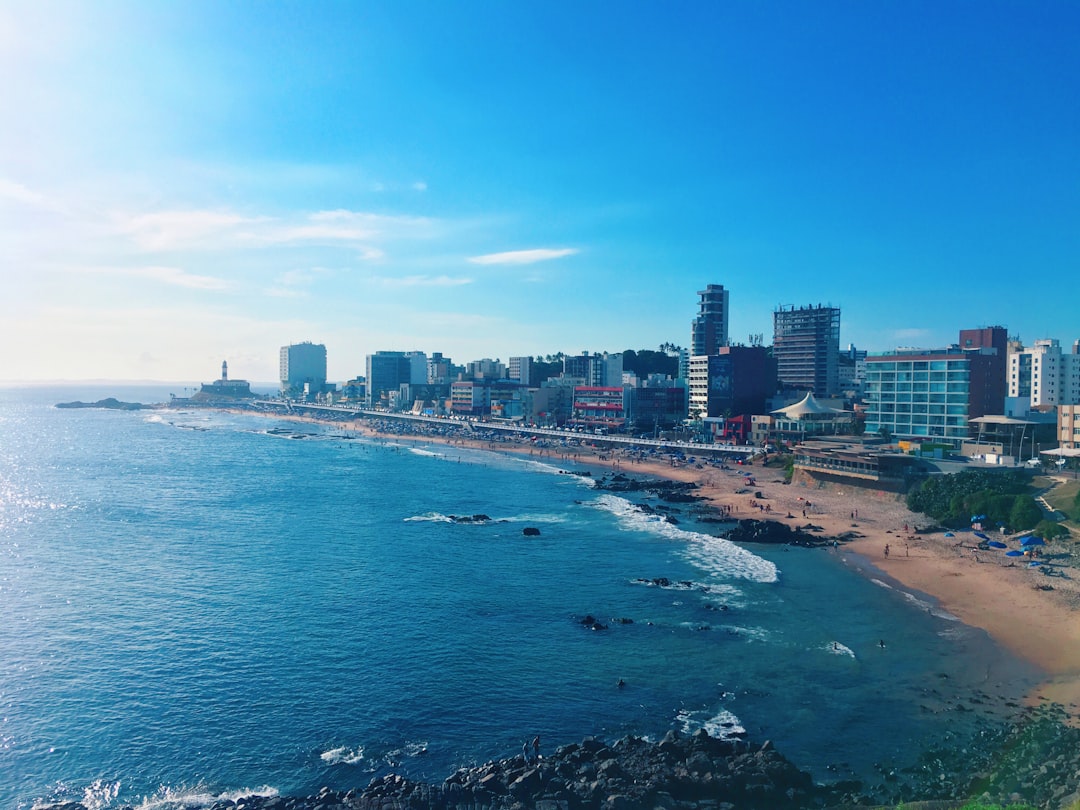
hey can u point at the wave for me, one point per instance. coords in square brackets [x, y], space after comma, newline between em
[343, 756]
[408, 750]
[724, 726]
[420, 451]
[922, 604]
[715, 555]
[430, 517]
[181, 798]
[836, 648]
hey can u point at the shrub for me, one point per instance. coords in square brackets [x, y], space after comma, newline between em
[1048, 529]
[1025, 514]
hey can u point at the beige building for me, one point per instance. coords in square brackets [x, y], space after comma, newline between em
[1068, 426]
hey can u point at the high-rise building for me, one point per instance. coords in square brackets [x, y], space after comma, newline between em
[709, 330]
[806, 346]
[604, 370]
[302, 364]
[521, 369]
[386, 371]
[1043, 375]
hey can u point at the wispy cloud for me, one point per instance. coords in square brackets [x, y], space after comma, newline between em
[165, 275]
[206, 229]
[524, 256]
[23, 195]
[294, 283]
[170, 229]
[423, 281]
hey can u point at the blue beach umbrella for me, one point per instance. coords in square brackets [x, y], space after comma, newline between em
[980, 535]
[1032, 541]
[949, 534]
[996, 544]
[1014, 553]
[1034, 564]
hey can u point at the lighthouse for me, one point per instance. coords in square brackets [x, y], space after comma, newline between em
[224, 371]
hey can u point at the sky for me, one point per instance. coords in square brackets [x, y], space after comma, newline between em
[186, 183]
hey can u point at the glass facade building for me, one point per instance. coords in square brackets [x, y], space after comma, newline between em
[921, 395]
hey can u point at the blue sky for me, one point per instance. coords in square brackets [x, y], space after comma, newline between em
[182, 183]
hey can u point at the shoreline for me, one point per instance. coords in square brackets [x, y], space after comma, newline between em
[1008, 602]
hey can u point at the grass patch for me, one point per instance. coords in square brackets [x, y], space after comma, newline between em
[1063, 496]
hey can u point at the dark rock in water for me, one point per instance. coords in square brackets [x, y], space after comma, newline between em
[530, 531]
[771, 531]
[469, 518]
[110, 403]
[669, 491]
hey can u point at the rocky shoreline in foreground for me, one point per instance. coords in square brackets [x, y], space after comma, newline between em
[1035, 760]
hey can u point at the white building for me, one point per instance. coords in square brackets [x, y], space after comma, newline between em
[1042, 375]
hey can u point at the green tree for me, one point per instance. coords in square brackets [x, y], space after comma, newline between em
[1048, 529]
[1025, 514]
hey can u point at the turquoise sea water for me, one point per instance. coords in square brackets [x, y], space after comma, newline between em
[196, 605]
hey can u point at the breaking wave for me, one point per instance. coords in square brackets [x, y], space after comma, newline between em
[715, 555]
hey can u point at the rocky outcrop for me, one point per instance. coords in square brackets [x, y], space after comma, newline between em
[670, 491]
[531, 531]
[110, 403]
[469, 518]
[773, 531]
[1035, 761]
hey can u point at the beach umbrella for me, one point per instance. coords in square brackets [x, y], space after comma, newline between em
[949, 534]
[980, 535]
[1033, 541]
[1034, 564]
[1014, 553]
[996, 544]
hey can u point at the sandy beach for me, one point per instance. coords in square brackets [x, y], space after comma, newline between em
[1031, 614]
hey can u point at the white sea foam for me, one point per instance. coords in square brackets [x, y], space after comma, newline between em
[755, 633]
[343, 756]
[420, 451]
[168, 798]
[430, 517]
[537, 518]
[100, 793]
[836, 648]
[408, 750]
[724, 725]
[922, 604]
[715, 555]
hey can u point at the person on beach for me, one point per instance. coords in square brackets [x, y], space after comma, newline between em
[536, 748]
[525, 752]
[886, 551]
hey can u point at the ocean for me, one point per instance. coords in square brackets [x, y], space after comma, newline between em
[196, 605]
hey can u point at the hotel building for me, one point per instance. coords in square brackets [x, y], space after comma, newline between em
[931, 394]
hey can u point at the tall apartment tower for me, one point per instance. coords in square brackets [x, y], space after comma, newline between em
[709, 331]
[302, 363]
[806, 346]
[521, 369]
[1043, 374]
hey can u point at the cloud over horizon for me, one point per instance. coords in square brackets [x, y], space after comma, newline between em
[524, 256]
